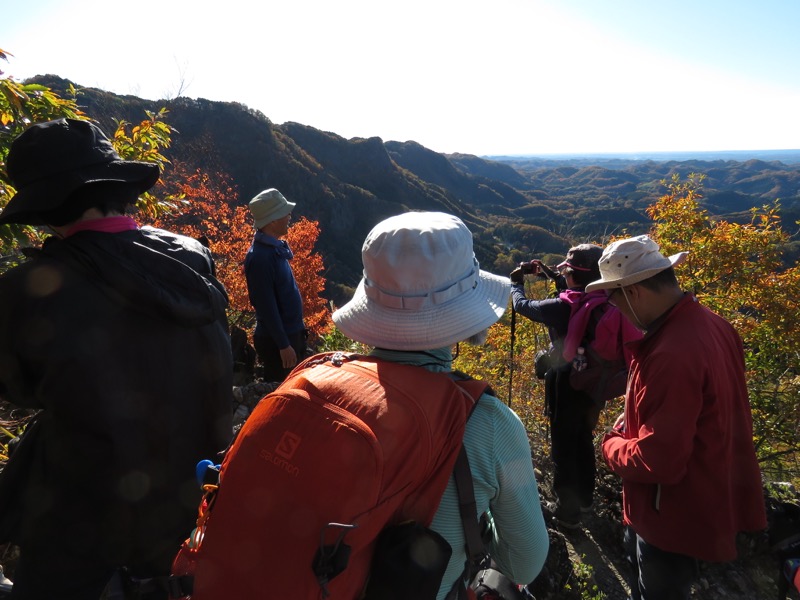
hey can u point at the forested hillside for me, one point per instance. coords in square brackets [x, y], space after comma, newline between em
[743, 263]
[518, 208]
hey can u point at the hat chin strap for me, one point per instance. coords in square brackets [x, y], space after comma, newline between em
[633, 312]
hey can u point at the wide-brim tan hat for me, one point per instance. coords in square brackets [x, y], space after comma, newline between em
[422, 287]
[630, 261]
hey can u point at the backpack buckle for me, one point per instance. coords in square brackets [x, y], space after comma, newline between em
[331, 559]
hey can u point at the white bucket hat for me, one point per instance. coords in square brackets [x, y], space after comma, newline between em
[269, 206]
[422, 287]
[630, 261]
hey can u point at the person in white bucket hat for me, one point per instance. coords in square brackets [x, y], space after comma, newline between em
[422, 287]
[423, 292]
[684, 445]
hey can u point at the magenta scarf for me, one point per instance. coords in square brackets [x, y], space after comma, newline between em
[612, 333]
[581, 305]
[113, 224]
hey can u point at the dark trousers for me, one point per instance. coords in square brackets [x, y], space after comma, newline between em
[66, 576]
[573, 417]
[656, 574]
[270, 355]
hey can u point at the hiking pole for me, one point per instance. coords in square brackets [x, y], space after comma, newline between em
[511, 352]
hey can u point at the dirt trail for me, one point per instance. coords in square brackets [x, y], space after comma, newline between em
[597, 545]
[608, 573]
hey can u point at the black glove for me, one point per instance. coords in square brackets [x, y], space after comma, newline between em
[517, 276]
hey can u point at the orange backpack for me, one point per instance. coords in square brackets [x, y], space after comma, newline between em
[345, 447]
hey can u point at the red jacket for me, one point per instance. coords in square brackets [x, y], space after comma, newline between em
[691, 481]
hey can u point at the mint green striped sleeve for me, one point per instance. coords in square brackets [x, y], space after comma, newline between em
[500, 460]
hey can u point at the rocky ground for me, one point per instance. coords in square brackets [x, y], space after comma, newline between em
[588, 563]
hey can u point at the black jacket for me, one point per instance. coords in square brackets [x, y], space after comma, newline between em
[121, 339]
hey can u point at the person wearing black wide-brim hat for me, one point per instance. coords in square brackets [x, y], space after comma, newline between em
[117, 333]
[50, 162]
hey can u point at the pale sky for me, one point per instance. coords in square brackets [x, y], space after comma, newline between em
[481, 77]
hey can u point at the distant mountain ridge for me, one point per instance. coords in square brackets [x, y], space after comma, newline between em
[789, 157]
[517, 207]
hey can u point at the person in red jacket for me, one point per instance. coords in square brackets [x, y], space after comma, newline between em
[684, 445]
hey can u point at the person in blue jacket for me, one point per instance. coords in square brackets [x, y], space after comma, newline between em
[280, 334]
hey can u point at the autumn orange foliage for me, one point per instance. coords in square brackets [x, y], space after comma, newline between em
[206, 213]
[307, 266]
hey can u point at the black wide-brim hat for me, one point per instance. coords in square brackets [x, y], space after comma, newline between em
[49, 161]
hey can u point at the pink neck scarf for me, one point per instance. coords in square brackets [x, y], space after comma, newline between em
[113, 224]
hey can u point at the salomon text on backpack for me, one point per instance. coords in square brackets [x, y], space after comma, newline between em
[345, 447]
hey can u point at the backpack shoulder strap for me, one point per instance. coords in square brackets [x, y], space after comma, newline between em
[477, 556]
[475, 388]
[590, 333]
[594, 318]
[467, 507]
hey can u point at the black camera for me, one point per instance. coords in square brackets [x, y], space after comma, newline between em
[538, 268]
